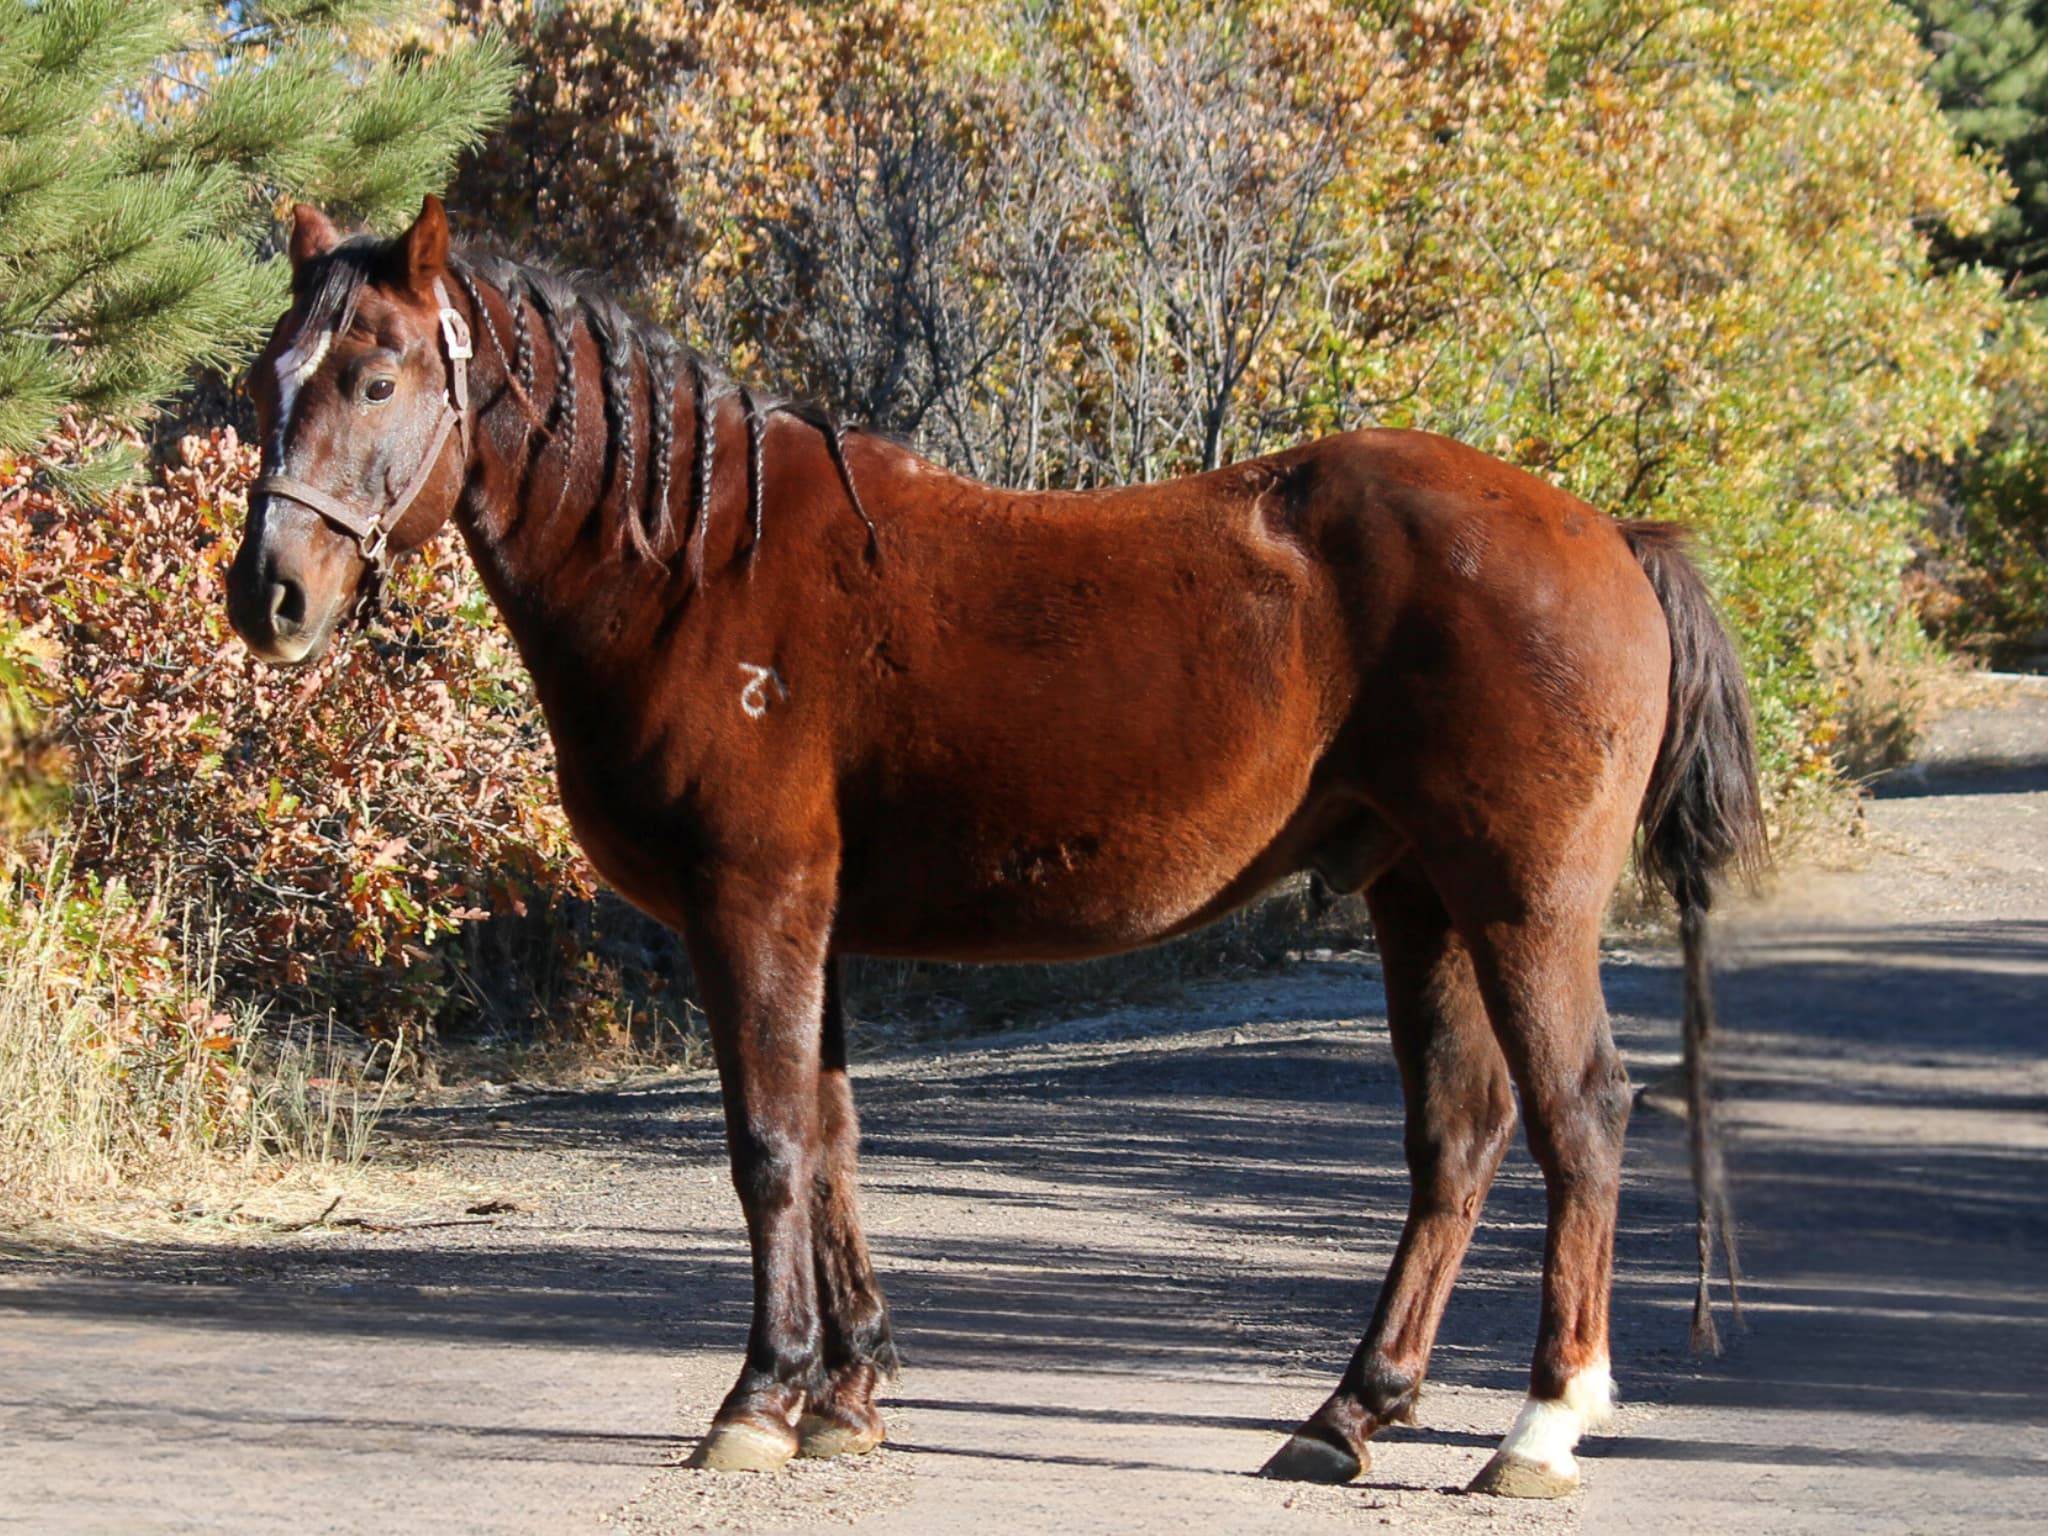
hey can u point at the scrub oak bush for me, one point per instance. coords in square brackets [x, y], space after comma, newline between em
[332, 822]
[229, 894]
[148, 829]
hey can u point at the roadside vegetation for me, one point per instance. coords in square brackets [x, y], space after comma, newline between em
[119, 1066]
[1733, 265]
[152, 866]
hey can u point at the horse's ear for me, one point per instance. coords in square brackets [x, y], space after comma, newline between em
[424, 249]
[313, 235]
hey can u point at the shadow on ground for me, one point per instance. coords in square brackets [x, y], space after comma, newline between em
[1894, 1265]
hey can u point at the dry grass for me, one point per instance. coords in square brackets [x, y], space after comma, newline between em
[1885, 697]
[122, 1081]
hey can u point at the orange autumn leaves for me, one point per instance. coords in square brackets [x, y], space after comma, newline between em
[332, 821]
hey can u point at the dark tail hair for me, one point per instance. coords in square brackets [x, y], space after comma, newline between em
[1702, 818]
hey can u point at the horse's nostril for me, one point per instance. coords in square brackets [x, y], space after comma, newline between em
[287, 603]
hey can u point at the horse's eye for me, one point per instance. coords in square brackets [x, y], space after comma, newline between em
[377, 391]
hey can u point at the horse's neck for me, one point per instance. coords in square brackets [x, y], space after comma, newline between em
[589, 610]
[552, 555]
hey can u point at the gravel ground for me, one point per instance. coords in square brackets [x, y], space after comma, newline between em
[1128, 1251]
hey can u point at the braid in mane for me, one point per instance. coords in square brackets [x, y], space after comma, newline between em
[629, 353]
[705, 431]
[835, 444]
[661, 354]
[757, 436]
[522, 339]
[613, 331]
[557, 304]
[835, 441]
[511, 282]
[466, 279]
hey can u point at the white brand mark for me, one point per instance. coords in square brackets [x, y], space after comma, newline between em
[754, 697]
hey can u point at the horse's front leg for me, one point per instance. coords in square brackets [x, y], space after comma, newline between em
[760, 957]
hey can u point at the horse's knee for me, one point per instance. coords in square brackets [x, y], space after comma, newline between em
[770, 1171]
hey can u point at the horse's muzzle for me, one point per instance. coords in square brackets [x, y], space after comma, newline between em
[271, 608]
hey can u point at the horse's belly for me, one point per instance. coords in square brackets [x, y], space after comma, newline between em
[949, 885]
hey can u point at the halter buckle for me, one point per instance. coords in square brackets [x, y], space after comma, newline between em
[455, 335]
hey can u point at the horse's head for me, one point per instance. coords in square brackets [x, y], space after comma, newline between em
[362, 395]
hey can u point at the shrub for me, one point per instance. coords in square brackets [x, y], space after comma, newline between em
[1672, 256]
[335, 822]
[1980, 583]
[120, 1064]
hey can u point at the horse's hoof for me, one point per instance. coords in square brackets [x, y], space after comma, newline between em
[818, 1437]
[1312, 1459]
[1509, 1476]
[742, 1448]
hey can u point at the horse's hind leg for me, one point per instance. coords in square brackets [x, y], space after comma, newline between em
[1540, 974]
[1460, 1113]
[842, 1420]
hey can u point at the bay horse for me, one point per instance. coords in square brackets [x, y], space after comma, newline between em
[821, 698]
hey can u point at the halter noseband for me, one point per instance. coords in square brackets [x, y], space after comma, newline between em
[371, 531]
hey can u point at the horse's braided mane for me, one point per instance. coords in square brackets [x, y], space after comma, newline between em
[635, 355]
[556, 302]
[704, 400]
[661, 352]
[614, 331]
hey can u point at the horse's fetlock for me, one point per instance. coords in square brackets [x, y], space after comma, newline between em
[871, 1341]
[800, 1369]
[1388, 1393]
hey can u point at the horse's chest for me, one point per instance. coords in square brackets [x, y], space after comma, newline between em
[621, 857]
[628, 831]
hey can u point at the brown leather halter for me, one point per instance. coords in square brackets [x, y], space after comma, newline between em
[372, 531]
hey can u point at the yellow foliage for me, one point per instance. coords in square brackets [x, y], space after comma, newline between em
[1671, 255]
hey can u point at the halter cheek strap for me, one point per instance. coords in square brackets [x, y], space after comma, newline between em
[372, 530]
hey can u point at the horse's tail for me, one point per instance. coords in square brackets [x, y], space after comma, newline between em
[1702, 817]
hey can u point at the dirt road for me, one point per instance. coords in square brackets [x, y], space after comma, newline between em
[1127, 1252]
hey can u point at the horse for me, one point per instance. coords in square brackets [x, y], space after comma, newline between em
[822, 698]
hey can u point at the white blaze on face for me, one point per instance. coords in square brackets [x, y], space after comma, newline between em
[1547, 1430]
[294, 367]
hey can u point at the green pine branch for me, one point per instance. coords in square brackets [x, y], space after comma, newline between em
[145, 148]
